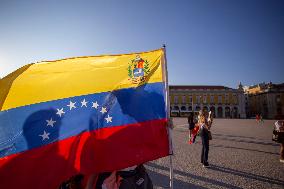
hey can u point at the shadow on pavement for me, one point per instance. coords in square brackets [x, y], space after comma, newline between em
[180, 184]
[247, 175]
[236, 136]
[163, 181]
[245, 141]
[222, 146]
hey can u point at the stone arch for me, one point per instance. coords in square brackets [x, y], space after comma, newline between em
[227, 112]
[176, 108]
[197, 108]
[219, 112]
[235, 112]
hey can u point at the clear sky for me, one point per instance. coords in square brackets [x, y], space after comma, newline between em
[209, 42]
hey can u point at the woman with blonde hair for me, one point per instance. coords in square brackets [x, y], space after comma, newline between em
[204, 134]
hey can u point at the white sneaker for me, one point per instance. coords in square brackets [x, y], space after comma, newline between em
[281, 160]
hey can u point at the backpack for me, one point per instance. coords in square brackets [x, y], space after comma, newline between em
[278, 136]
[135, 179]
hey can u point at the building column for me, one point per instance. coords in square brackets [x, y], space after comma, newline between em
[223, 111]
[241, 106]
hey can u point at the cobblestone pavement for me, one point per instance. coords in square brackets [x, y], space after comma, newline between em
[241, 155]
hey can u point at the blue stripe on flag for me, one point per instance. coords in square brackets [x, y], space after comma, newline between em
[35, 125]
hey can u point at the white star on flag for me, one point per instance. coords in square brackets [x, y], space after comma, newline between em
[50, 122]
[45, 135]
[104, 110]
[95, 105]
[84, 103]
[108, 119]
[60, 112]
[71, 105]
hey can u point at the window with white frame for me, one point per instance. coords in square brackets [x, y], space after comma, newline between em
[198, 99]
[219, 99]
[204, 99]
[212, 99]
[176, 99]
[183, 100]
[227, 99]
[190, 99]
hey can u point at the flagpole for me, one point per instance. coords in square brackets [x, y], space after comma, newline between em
[168, 116]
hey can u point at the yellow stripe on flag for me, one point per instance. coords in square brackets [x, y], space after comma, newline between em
[52, 80]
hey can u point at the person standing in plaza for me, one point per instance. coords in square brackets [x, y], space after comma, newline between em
[257, 118]
[195, 131]
[261, 118]
[204, 134]
[191, 124]
[279, 129]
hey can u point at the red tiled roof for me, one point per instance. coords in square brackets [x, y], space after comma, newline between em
[204, 87]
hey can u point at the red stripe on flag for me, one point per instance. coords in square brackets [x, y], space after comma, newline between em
[105, 149]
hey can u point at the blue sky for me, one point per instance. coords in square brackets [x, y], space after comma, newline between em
[209, 42]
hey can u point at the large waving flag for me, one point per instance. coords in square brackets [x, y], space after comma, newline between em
[81, 115]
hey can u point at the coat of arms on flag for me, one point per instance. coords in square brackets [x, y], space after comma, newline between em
[138, 70]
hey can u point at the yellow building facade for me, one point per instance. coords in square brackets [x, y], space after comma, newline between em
[223, 102]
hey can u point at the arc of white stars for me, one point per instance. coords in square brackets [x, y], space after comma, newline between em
[104, 110]
[108, 119]
[45, 135]
[60, 112]
[84, 103]
[71, 105]
[95, 105]
[50, 122]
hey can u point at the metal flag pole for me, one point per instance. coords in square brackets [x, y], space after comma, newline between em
[168, 116]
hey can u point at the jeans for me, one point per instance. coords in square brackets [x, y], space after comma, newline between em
[205, 147]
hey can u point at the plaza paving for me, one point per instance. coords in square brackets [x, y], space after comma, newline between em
[241, 155]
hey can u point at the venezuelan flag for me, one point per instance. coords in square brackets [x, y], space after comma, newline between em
[81, 115]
